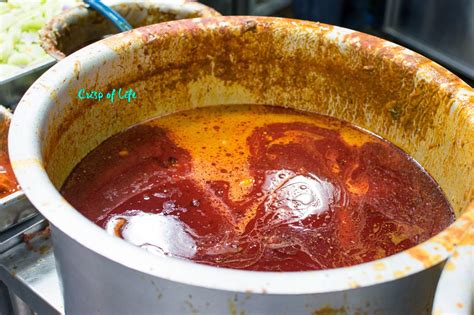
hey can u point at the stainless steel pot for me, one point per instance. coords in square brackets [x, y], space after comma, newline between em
[172, 66]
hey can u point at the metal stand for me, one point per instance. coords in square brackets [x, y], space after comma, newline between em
[29, 282]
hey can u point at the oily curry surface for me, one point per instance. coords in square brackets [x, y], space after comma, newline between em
[258, 188]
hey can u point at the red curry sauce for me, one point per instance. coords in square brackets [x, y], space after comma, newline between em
[258, 188]
[8, 183]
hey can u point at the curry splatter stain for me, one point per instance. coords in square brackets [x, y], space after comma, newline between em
[398, 274]
[27, 163]
[77, 69]
[455, 234]
[379, 266]
[450, 266]
[423, 256]
[329, 310]
[192, 309]
[233, 308]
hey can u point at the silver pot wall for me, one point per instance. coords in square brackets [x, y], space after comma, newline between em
[173, 66]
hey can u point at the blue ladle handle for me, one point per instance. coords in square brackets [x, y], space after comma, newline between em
[110, 14]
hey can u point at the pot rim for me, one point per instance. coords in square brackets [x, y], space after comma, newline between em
[26, 156]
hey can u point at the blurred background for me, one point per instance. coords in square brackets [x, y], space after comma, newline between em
[442, 30]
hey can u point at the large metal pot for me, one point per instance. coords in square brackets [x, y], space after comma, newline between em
[373, 83]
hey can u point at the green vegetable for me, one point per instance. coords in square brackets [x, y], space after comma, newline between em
[20, 22]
